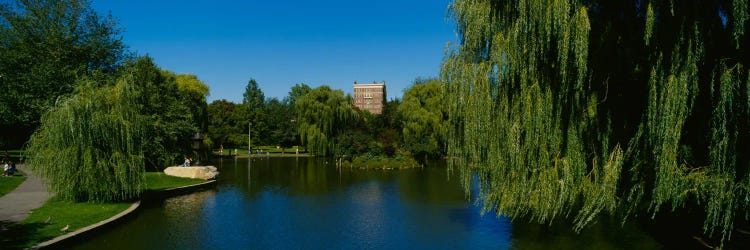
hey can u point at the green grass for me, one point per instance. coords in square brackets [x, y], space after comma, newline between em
[231, 151]
[33, 230]
[158, 181]
[10, 183]
[273, 149]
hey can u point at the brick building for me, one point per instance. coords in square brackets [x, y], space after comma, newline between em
[370, 96]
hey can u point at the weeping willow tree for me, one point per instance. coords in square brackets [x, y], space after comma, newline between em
[567, 108]
[423, 115]
[88, 146]
[322, 114]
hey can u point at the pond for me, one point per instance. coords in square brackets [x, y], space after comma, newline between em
[307, 203]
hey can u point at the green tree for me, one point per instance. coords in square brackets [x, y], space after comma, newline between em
[279, 117]
[88, 147]
[45, 47]
[253, 96]
[424, 119]
[193, 92]
[582, 107]
[223, 121]
[322, 114]
[297, 91]
[253, 99]
[389, 127]
[169, 120]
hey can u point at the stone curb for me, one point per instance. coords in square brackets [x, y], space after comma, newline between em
[164, 193]
[133, 207]
[189, 187]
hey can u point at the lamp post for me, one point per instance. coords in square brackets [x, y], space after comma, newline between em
[249, 137]
[197, 146]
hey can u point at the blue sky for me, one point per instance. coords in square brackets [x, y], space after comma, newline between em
[281, 43]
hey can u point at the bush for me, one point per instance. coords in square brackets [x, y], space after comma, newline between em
[382, 162]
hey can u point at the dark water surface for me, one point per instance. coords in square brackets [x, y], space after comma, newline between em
[306, 203]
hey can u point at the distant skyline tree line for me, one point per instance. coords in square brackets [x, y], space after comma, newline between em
[326, 123]
[272, 119]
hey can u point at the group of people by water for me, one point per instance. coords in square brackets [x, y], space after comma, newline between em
[221, 151]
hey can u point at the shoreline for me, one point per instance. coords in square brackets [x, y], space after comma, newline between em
[148, 196]
[274, 155]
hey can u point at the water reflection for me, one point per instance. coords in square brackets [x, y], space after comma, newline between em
[291, 203]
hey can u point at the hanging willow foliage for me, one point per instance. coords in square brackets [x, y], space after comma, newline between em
[88, 146]
[523, 115]
[322, 114]
[531, 108]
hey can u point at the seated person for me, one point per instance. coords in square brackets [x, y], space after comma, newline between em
[12, 169]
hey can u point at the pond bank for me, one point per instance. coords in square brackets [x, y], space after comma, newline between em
[149, 195]
[30, 215]
[274, 155]
[58, 241]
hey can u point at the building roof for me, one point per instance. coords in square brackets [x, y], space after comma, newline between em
[369, 84]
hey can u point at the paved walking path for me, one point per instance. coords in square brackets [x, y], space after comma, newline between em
[16, 205]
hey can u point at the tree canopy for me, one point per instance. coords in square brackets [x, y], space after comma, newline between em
[281, 128]
[573, 108]
[297, 91]
[424, 117]
[273, 123]
[253, 96]
[45, 47]
[322, 114]
[170, 123]
[224, 123]
[193, 92]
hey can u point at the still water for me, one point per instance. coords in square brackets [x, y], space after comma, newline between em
[306, 203]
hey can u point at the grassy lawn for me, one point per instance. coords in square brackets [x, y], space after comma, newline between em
[9, 183]
[159, 180]
[273, 149]
[33, 230]
[240, 151]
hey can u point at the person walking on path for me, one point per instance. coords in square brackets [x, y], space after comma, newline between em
[32, 193]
